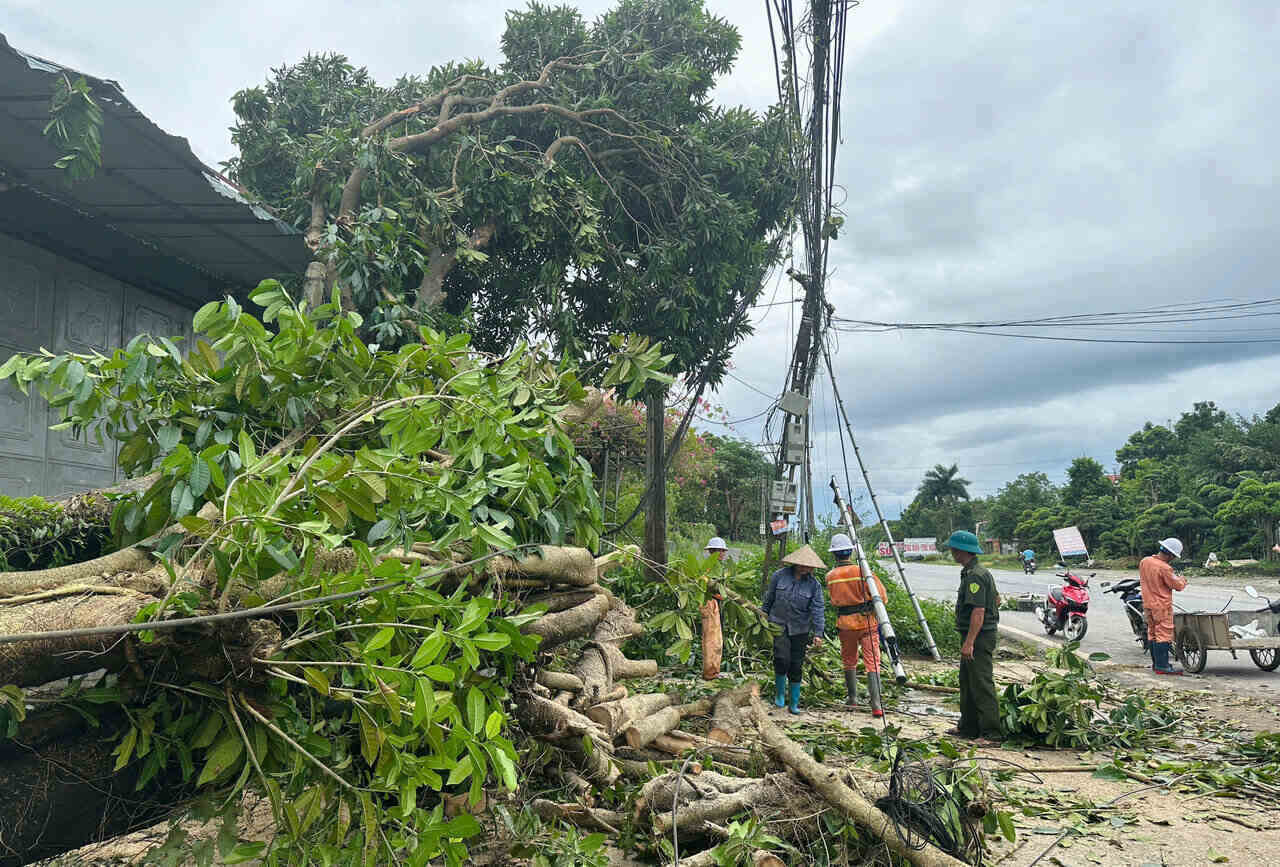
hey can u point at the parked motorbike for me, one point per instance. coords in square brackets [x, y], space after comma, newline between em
[1130, 592]
[1067, 607]
[1029, 566]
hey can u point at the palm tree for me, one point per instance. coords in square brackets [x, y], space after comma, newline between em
[943, 488]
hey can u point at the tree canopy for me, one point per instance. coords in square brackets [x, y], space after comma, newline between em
[1207, 478]
[583, 186]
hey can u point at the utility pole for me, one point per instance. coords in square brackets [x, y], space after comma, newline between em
[815, 206]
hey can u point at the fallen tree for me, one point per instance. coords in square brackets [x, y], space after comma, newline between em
[358, 585]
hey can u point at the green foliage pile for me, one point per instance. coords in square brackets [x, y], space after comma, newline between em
[38, 534]
[1066, 706]
[375, 704]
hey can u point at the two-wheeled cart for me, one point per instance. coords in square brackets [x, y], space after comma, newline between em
[1196, 633]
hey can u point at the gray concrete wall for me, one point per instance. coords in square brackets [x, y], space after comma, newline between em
[52, 302]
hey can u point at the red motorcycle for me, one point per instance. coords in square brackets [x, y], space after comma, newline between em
[1067, 607]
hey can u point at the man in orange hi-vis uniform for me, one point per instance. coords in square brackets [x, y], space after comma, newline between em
[1158, 584]
[856, 621]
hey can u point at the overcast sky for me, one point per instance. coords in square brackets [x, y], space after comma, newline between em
[1000, 159]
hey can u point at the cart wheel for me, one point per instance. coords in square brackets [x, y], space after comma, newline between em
[1266, 658]
[1192, 651]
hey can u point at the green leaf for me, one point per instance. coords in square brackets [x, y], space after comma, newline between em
[493, 725]
[475, 709]
[124, 751]
[207, 732]
[379, 531]
[424, 701]
[1006, 825]
[429, 650]
[317, 678]
[380, 639]
[460, 771]
[221, 758]
[492, 641]
[167, 438]
[199, 477]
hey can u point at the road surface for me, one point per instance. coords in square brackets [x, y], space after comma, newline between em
[1109, 629]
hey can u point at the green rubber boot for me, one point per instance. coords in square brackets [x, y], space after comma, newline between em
[780, 684]
[851, 687]
[794, 706]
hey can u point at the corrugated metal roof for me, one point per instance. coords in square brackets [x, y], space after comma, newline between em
[152, 199]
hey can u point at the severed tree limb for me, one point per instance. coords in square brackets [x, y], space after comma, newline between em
[124, 560]
[555, 629]
[642, 732]
[559, 680]
[614, 716]
[590, 818]
[562, 600]
[552, 564]
[829, 785]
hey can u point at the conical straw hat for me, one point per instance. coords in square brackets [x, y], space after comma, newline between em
[804, 556]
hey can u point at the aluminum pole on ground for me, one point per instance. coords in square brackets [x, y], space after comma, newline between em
[866, 477]
[882, 615]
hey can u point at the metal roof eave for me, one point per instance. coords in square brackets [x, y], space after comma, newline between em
[151, 186]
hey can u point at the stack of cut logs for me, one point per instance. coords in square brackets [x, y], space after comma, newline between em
[585, 699]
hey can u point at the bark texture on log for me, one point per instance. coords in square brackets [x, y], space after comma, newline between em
[642, 732]
[556, 564]
[563, 626]
[829, 785]
[124, 560]
[559, 680]
[614, 716]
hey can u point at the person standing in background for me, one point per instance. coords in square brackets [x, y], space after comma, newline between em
[712, 622]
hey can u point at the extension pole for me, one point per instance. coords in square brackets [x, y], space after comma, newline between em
[868, 577]
[884, 525]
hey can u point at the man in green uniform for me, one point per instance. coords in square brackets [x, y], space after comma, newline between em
[977, 616]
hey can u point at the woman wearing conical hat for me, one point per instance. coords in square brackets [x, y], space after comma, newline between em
[794, 602]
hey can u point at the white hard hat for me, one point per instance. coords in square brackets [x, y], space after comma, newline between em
[716, 544]
[1172, 545]
[840, 542]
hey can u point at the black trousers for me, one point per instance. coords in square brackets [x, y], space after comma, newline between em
[788, 655]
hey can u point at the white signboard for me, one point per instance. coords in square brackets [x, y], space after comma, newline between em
[919, 547]
[1070, 543]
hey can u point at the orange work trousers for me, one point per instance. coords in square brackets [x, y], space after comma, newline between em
[1159, 622]
[869, 642]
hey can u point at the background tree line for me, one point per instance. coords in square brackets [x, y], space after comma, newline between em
[1211, 479]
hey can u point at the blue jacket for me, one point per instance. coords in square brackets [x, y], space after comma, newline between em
[796, 604]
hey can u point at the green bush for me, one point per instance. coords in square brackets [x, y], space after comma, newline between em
[38, 534]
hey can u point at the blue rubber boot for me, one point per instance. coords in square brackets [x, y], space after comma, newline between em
[794, 706]
[780, 683]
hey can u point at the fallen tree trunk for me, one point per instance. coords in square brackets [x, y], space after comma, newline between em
[726, 725]
[614, 716]
[552, 564]
[642, 732]
[828, 784]
[556, 629]
[589, 818]
[559, 680]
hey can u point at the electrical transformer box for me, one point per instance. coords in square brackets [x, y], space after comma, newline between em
[783, 496]
[796, 442]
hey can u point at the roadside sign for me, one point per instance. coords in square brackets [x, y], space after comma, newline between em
[1070, 543]
[883, 550]
[779, 527]
[919, 547]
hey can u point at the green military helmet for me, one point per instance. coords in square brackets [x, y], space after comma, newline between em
[963, 540]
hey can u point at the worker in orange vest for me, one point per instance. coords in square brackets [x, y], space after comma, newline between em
[856, 622]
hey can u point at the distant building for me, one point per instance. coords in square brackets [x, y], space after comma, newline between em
[137, 248]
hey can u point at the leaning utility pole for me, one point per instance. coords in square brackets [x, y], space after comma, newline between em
[819, 138]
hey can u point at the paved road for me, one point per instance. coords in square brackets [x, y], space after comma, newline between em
[1109, 630]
